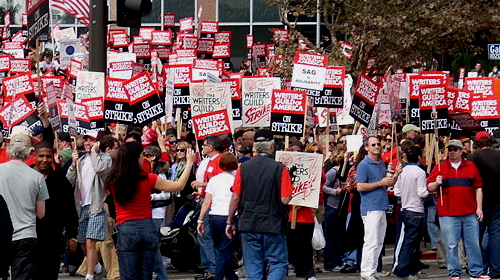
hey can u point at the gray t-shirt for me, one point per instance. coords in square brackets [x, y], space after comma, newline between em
[22, 187]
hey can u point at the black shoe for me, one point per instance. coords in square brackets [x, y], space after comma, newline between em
[205, 276]
[421, 265]
[348, 269]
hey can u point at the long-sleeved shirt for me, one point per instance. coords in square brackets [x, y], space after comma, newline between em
[330, 187]
[412, 188]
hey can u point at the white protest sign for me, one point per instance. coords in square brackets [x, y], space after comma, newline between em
[68, 48]
[354, 142]
[306, 176]
[88, 85]
[169, 93]
[63, 34]
[309, 70]
[256, 100]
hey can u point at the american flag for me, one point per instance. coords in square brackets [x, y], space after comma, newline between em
[79, 9]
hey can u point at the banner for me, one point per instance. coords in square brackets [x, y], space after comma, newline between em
[305, 170]
[52, 96]
[433, 109]
[213, 123]
[364, 99]
[88, 85]
[235, 87]
[38, 20]
[414, 84]
[309, 70]
[144, 100]
[95, 111]
[20, 65]
[256, 100]
[121, 69]
[17, 85]
[116, 103]
[288, 108]
[202, 67]
[209, 97]
[332, 96]
[13, 113]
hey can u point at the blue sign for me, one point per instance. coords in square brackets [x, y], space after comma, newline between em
[494, 51]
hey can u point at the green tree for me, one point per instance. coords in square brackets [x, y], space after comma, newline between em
[397, 32]
[9, 7]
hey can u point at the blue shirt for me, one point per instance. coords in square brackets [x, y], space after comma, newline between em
[369, 171]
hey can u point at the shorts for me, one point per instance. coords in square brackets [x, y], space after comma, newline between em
[91, 226]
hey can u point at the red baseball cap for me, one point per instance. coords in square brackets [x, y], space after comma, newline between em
[482, 136]
[384, 124]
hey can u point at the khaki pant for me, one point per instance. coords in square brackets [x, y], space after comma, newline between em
[105, 250]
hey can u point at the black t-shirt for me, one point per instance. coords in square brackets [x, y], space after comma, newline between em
[487, 162]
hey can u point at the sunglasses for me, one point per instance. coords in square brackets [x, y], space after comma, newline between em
[331, 143]
[180, 150]
[172, 142]
[452, 149]
[375, 144]
[388, 140]
[341, 142]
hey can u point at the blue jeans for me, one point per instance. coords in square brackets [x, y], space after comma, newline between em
[432, 228]
[264, 248]
[224, 248]
[137, 246]
[492, 221]
[333, 233]
[409, 256]
[158, 267]
[207, 251]
[467, 227]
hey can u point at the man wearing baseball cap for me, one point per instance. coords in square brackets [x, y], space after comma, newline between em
[487, 162]
[25, 192]
[459, 207]
[410, 131]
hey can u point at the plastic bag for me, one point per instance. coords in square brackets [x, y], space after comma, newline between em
[318, 240]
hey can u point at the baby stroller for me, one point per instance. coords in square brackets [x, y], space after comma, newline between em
[178, 240]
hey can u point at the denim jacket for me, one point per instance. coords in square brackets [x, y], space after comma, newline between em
[101, 162]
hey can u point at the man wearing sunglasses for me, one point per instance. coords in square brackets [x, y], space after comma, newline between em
[371, 183]
[459, 207]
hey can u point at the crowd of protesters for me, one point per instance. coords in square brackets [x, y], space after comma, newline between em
[59, 191]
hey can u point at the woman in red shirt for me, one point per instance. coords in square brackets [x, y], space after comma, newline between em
[131, 188]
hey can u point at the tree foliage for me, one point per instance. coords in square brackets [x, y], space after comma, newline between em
[397, 32]
[9, 7]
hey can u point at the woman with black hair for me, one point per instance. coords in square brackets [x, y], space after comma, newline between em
[131, 188]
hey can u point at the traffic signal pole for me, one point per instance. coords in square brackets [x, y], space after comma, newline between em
[98, 32]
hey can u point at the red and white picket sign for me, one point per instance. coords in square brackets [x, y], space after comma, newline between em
[169, 20]
[249, 41]
[20, 65]
[17, 85]
[201, 68]
[213, 123]
[120, 39]
[309, 70]
[139, 87]
[223, 37]
[182, 74]
[142, 50]
[222, 51]
[161, 37]
[209, 27]
[190, 43]
[281, 35]
[480, 85]
[145, 33]
[15, 112]
[206, 45]
[334, 77]
[186, 24]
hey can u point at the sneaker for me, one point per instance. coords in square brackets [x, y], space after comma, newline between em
[454, 278]
[337, 268]
[348, 269]
[480, 277]
[205, 276]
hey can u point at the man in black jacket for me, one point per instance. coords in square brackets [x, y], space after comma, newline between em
[60, 214]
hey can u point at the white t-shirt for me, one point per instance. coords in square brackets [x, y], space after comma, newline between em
[219, 187]
[159, 212]
[87, 176]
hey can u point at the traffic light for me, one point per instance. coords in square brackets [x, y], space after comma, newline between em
[129, 12]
